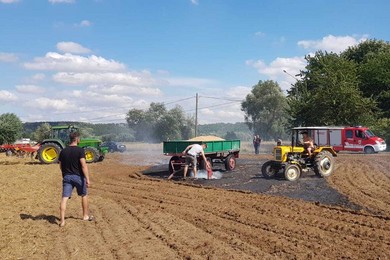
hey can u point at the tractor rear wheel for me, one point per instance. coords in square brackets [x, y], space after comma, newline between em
[230, 162]
[292, 172]
[269, 169]
[49, 153]
[324, 164]
[91, 154]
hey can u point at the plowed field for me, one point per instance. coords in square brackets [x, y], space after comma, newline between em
[139, 217]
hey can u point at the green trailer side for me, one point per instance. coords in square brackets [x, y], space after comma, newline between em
[224, 146]
[220, 151]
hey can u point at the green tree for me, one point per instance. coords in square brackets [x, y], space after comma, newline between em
[42, 132]
[231, 136]
[328, 94]
[265, 110]
[10, 128]
[157, 123]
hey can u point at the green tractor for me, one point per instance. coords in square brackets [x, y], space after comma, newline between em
[50, 149]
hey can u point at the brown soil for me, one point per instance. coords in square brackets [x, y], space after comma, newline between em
[138, 217]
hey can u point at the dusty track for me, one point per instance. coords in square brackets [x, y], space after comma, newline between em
[142, 218]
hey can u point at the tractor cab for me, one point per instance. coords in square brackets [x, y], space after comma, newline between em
[62, 133]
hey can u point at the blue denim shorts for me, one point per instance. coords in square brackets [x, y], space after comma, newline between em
[69, 182]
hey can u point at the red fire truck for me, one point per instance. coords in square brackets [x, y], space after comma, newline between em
[348, 138]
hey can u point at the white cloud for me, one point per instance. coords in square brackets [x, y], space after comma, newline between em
[83, 23]
[8, 1]
[6, 96]
[51, 104]
[195, 2]
[8, 57]
[69, 62]
[282, 70]
[260, 34]
[126, 90]
[62, 1]
[29, 89]
[128, 78]
[72, 47]
[238, 92]
[38, 77]
[332, 43]
[189, 82]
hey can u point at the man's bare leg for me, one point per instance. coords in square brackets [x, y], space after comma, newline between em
[62, 210]
[195, 172]
[84, 204]
[185, 171]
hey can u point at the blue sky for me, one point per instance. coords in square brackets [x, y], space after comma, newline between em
[93, 60]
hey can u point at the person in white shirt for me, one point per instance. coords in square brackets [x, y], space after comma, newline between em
[191, 153]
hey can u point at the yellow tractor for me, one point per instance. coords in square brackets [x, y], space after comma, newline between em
[296, 158]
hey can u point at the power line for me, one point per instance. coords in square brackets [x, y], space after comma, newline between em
[238, 100]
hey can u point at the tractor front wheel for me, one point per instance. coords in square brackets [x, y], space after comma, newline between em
[292, 172]
[49, 153]
[91, 154]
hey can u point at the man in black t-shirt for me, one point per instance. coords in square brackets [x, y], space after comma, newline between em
[75, 174]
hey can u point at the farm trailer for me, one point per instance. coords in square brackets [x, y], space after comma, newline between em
[221, 151]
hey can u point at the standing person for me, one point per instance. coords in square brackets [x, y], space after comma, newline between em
[259, 142]
[191, 152]
[256, 143]
[75, 174]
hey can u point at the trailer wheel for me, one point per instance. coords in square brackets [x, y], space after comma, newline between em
[230, 162]
[292, 172]
[91, 154]
[49, 153]
[269, 169]
[174, 168]
[8, 153]
[202, 163]
[323, 164]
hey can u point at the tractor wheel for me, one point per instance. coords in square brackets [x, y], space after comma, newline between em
[8, 153]
[91, 154]
[369, 150]
[323, 164]
[269, 169]
[292, 172]
[49, 153]
[176, 167]
[230, 162]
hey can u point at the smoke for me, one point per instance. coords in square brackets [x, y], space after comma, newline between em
[202, 174]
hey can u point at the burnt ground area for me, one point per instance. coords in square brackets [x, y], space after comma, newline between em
[247, 177]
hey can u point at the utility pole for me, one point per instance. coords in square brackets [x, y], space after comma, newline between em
[196, 115]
